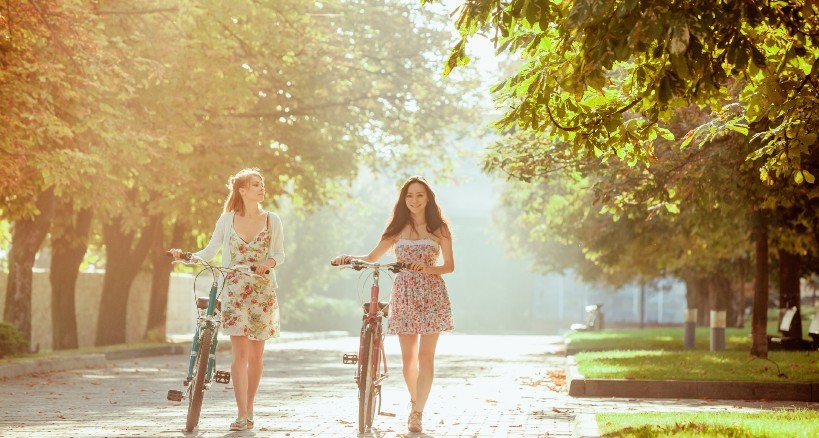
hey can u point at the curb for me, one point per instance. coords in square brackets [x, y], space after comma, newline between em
[52, 364]
[688, 389]
[585, 426]
[100, 360]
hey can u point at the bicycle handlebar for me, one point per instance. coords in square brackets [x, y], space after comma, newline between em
[358, 265]
[188, 257]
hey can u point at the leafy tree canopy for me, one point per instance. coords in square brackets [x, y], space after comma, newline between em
[601, 77]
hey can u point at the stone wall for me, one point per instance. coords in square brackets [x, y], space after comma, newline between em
[181, 312]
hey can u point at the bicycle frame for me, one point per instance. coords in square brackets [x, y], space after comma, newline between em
[208, 320]
[373, 319]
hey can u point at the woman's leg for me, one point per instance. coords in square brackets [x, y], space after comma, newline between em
[426, 369]
[409, 354]
[255, 366]
[238, 372]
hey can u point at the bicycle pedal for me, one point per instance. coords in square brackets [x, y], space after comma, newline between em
[222, 377]
[187, 381]
[350, 359]
[174, 395]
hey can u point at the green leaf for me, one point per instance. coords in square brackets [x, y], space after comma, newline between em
[672, 208]
[807, 139]
[742, 129]
[457, 57]
[687, 139]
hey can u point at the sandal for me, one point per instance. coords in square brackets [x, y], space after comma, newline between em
[414, 421]
[249, 421]
[239, 424]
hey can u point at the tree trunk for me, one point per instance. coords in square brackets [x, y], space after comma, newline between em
[160, 282]
[642, 304]
[26, 239]
[719, 291]
[689, 336]
[68, 246]
[123, 261]
[741, 291]
[759, 314]
[789, 292]
[701, 289]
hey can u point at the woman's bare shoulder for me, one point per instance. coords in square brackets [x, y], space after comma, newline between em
[442, 234]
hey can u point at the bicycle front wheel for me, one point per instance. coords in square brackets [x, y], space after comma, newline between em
[200, 373]
[366, 389]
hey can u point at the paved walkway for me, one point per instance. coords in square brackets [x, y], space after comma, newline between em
[485, 386]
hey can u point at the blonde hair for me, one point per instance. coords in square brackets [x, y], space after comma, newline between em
[234, 200]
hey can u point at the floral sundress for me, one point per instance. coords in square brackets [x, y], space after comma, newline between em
[250, 306]
[419, 303]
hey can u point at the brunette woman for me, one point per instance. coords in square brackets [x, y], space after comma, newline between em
[419, 305]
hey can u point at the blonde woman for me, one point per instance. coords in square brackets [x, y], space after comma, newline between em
[247, 234]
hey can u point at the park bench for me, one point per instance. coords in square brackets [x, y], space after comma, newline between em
[594, 319]
[790, 330]
[813, 331]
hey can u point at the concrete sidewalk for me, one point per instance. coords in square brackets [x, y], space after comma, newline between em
[485, 386]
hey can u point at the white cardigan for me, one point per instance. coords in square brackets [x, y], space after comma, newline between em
[221, 240]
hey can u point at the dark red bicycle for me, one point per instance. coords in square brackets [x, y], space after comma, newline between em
[371, 357]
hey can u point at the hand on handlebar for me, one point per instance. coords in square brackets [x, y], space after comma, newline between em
[178, 254]
[261, 268]
[417, 267]
[341, 260]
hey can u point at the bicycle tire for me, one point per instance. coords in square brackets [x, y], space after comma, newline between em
[200, 373]
[365, 383]
[375, 391]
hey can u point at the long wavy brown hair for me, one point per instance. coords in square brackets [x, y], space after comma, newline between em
[401, 214]
[234, 200]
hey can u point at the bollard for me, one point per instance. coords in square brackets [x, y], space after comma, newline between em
[690, 328]
[718, 318]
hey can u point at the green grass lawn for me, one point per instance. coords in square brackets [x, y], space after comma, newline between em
[658, 354]
[670, 338]
[778, 423]
[798, 366]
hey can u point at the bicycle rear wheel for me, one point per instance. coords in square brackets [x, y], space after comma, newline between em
[366, 389]
[200, 373]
